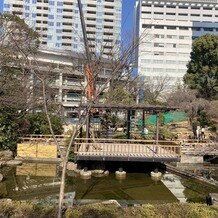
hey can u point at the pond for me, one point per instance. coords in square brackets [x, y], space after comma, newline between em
[40, 182]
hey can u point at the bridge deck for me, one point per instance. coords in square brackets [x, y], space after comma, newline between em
[128, 150]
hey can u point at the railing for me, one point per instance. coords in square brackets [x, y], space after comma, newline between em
[125, 147]
[42, 138]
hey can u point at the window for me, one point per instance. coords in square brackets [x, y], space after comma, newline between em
[158, 45]
[206, 8]
[158, 6]
[60, 3]
[208, 29]
[171, 27]
[183, 7]
[50, 16]
[51, 23]
[146, 26]
[146, 5]
[171, 6]
[158, 53]
[6, 5]
[171, 36]
[170, 13]
[196, 28]
[51, 3]
[183, 28]
[181, 14]
[195, 8]
[159, 36]
[159, 27]
[160, 13]
[59, 10]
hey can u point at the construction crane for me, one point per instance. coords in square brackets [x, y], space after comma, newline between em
[90, 88]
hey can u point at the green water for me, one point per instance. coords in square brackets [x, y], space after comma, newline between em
[37, 182]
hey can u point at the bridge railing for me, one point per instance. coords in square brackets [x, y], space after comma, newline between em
[115, 146]
[124, 147]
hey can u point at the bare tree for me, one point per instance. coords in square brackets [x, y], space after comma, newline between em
[155, 89]
[119, 64]
[17, 42]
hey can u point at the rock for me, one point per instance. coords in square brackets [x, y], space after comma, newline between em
[6, 155]
[2, 163]
[1, 177]
[120, 174]
[85, 174]
[13, 163]
[77, 170]
[97, 171]
[8, 200]
[109, 202]
[71, 166]
[106, 173]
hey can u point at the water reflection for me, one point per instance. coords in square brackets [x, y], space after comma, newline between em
[173, 183]
[37, 169]
[41, 182]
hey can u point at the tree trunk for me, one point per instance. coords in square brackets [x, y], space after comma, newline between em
[62, 187]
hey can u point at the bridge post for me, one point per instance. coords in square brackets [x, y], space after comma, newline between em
[143, 122]
[88, 125]
[128, 123]
[157, 127]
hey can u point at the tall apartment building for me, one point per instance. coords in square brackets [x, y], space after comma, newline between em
[171, 26]
[58, 22]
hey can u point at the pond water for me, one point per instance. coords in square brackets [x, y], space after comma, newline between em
[40, 182]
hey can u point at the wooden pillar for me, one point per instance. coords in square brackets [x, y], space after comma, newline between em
[143, 122]
[128, 123]
[88, 125]
[157, 127]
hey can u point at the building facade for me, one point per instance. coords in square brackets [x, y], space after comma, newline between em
[168, 28]
[67, 79]
[58, 22]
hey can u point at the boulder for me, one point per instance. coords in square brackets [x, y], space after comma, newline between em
[71, 166]
[2, 163]
[1, 177]
[7, 200]
[97, 171]
[85, 174]
[6, 155]
[13, 163]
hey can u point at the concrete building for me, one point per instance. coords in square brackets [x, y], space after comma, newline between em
[67, 79]
[58, 22]
[171, 26]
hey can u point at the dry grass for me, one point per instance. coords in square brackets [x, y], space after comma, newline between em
[174, 210]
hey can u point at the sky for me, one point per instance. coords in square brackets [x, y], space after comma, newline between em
[127, 16]
[1, 5]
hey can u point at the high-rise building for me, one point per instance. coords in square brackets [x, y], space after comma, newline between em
[58, 22]
[170, 27]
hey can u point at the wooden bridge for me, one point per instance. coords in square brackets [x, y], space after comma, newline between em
[106, 149]
[126, 150]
